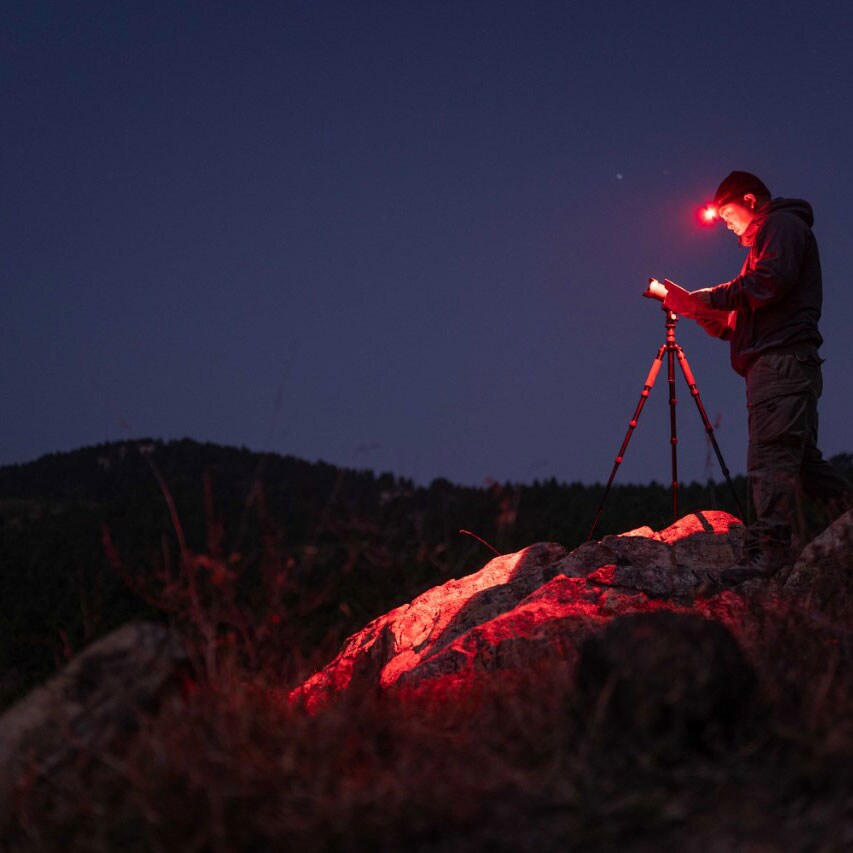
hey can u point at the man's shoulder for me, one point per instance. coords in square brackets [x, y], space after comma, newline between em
[783, 222]
[789, 212]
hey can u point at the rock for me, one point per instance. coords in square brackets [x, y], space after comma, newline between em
[527, 606]
[664, 681]
[708, 540]
[658, 581]
[96, 699]
[836, 541]
[824, 570]
[679, 560]
[400, 640]
[708, 521]
[585, 559]
[542, 625]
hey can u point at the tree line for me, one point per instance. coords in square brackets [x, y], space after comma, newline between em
[343, 545]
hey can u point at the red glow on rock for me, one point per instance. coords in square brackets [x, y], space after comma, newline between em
[605, 576]
[711, 521]
[526, 609]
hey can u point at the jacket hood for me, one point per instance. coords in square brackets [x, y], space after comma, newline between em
[795, 206]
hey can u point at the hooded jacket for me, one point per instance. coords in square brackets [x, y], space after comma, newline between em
[778, 295]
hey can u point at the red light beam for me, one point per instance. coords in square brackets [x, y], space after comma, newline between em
[708, 214]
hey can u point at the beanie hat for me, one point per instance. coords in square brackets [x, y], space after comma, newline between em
[736, 186]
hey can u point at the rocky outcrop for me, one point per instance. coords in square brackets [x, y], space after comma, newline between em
[542, 601]
[93, 702]
[664, 681]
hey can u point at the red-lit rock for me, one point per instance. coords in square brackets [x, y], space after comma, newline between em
[400, 640]
[536, 604]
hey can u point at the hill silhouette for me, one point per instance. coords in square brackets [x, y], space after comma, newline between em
[351, 544]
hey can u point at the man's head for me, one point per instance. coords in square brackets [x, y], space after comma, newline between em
[738, 198]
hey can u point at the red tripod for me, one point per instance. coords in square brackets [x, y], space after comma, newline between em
[672, 349]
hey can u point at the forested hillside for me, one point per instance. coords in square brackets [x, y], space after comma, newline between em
[88, 539]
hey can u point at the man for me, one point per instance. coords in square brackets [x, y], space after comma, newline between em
[770, 313]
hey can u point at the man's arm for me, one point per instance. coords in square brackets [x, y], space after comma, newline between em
[779, 248]
[694, 305]
[721, 325]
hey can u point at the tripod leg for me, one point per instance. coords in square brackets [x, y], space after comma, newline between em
[691, 383]
[644, 395]
[673, 432]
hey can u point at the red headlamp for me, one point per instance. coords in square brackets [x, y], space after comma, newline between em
[708, 214]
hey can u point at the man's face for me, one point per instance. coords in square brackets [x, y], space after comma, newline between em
[737, 215]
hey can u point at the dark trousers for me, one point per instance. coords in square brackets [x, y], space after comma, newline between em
[794, 490]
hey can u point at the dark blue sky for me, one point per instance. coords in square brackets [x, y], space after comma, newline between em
[405, 236]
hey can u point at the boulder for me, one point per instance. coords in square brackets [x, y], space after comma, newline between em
[664, 681]
[537, 603]
[94, 701]
[400, 640]
[823, 572]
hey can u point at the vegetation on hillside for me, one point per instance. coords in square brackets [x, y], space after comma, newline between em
[263, 564]
[351, 544]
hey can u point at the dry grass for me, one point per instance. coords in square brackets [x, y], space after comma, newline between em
[508, 763]
[505, 764]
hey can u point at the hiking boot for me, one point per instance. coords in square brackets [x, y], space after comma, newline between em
[763, 565]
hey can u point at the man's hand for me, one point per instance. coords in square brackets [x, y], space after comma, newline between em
[690, 304]
[678, 300]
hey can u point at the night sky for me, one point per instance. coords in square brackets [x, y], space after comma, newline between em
[406, 236]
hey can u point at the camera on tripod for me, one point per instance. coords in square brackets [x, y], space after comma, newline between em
[656, 290]
[676, 300]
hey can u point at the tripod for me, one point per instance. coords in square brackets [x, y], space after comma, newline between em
[672, 349]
